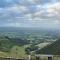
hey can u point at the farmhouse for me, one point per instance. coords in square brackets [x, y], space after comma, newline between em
[50, 52]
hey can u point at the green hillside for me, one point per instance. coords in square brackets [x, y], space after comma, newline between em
[9, 47]
[15, 52]
[54, 49]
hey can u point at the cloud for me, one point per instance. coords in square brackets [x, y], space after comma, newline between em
[54, 9]
[18, 9]
[49, 11]
[29, 12]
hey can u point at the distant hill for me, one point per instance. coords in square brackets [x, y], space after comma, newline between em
[53, 49]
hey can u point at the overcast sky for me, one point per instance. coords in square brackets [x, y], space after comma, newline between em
[30, 13]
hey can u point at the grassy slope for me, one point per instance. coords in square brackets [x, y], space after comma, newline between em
[16, 52]
[54, 49]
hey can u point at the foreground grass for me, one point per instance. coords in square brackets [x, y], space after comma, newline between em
[15, 52]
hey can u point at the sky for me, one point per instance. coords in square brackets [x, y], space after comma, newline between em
[30, 13]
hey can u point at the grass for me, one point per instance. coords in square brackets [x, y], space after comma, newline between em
[15, 52]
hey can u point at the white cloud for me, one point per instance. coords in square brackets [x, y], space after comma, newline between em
[54, 9]
[49, 11]
[18, 8]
